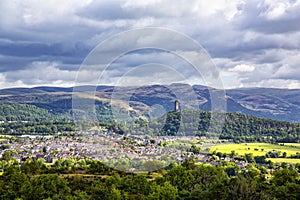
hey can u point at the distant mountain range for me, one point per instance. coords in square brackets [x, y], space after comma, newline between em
[278, 104]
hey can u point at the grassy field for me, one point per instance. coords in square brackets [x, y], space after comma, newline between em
[7, 136]
[287, 160]
[257, 149]
[292, 144]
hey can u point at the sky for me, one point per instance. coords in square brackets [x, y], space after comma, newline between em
[253, 43]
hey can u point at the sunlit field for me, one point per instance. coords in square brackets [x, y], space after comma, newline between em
[257, 149]
[286, 160]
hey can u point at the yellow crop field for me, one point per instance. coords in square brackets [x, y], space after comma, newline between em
[287, 160]
[292, 144]
[257, 149]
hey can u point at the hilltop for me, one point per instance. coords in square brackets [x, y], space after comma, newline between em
[277, 104]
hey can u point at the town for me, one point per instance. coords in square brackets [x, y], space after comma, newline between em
[109, 148]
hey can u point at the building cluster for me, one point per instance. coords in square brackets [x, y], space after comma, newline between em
[105, 146]
[100, 145]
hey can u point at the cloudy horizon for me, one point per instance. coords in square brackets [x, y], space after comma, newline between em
[253, 43]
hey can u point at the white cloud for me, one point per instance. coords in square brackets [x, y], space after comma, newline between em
[34, 12]
[288, 72]
[276, 83]
[252, 42]
[278, 8]
[40, 73]
[6, 84]
[242, 68]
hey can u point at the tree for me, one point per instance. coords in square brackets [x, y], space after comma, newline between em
[241, 188]
[30, 166]
[209, 182]
[249, 157]
[284, 154]
[7, 156]
[232, 154]
[80, 195]
[44, 149]
[180, 177]
[288, 191]
[115, 194]
[165, 192]
[260, 159]
[11, 183]
[97, 167]
[252, 171]
[189, 163]
[284, 176]
[232, 171]
[153, 165]
[45, 186]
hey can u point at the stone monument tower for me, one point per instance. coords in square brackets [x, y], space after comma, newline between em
[176, 106]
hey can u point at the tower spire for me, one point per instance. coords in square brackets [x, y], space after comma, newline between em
[176, 106]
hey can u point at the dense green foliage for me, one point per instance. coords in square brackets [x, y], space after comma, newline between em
[238, 127]
[89, 179]
[59, 111]
[47, 127]
[232, 126]
[24, 112]
[244, 128]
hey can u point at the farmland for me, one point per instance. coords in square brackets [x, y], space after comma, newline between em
[286, 160]
[260, 149]
[292, 144]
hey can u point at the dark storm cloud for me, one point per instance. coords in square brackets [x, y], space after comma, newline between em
[19, 55]
[31, 49]
[270, 16]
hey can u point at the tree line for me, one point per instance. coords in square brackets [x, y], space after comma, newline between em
[90, 179]
[228, 126]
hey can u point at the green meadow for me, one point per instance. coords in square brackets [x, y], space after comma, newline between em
[286, 160]
[257, 149]
[292, 144]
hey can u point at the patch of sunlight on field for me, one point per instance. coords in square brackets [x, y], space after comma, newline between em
[287, 160]
[8, 136]
[292, 144]
[257, 149]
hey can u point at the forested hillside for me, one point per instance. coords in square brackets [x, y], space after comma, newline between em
[232, 126]
[238, 127]
[25, 112]
[277, 104]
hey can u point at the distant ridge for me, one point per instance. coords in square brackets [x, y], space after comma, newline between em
[274, 103]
